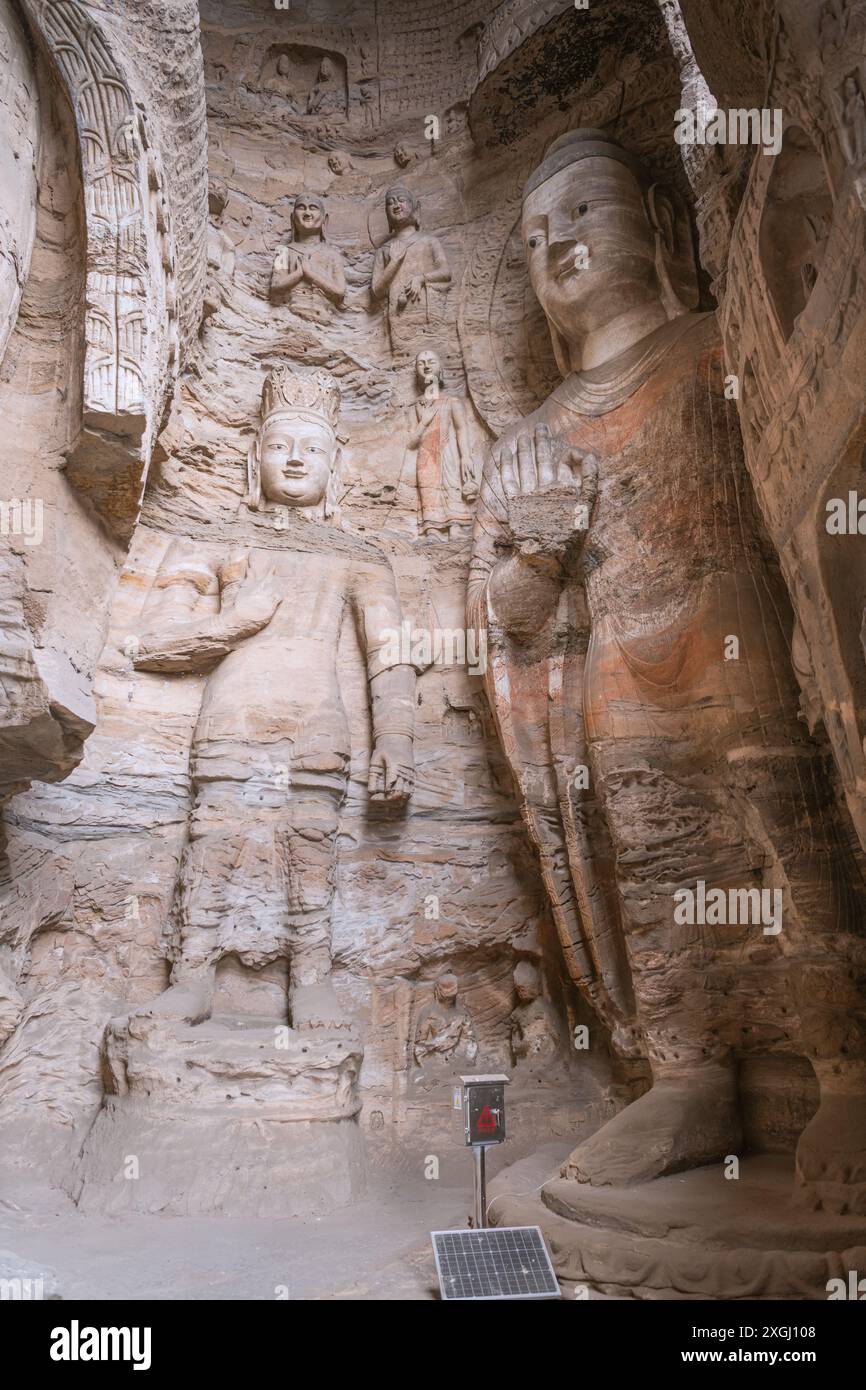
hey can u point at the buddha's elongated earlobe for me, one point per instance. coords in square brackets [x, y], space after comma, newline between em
[561, 352]
[675, 258]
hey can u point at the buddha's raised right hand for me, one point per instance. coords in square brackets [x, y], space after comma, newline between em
[551, 492]
[550, 489]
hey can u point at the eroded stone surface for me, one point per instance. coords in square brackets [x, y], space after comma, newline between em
[209, 837]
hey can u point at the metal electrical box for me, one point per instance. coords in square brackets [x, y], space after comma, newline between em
[484, 1108]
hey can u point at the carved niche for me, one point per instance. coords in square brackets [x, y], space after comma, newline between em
[795, 224]
[310, 81]
[130, 270]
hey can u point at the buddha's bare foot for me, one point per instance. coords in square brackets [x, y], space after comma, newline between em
[188, 1001]
[317, 1007]
[681, 1123]
[831, 1156]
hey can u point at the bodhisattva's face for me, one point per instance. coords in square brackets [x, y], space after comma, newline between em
[295, 461]
[307, 217]
[595, 204]
[427, 368]
[399, 210]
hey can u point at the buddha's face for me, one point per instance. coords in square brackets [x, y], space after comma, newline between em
[527, 985]
[399, 208]
[446, 989]
[296, 456]
[589, 245]
[428, 368]
[308, 216]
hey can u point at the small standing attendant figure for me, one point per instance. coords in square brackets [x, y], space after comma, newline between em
[308, 274]
[411, 271]
[438, 458]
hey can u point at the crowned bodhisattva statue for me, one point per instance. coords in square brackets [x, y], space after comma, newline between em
[270, 752]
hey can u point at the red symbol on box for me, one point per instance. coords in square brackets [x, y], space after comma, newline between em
[487, 1121]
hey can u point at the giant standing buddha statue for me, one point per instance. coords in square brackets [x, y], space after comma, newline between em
[617, 553]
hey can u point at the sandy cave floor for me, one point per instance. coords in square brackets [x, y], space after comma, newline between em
[377, 1249]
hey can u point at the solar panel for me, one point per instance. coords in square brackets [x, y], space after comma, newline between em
[495, 1262]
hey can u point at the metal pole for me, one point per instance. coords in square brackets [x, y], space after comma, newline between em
[480, 1151]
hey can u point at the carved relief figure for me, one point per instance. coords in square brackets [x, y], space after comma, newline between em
[439, 455]
[308, 274]
[534, 1030]
[323, 95]
[283, 84]
[366, 97]
[444, 1031]
[410, 272]
[616, 548]
[339, 162]
[833, 28]
[270, 752]
[853, 119]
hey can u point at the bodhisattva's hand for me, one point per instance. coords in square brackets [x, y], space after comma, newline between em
[288, 264]
[256, 600]
[468, 479]
[551, 493]
[392, 769]
[414, 287]
[428, 413]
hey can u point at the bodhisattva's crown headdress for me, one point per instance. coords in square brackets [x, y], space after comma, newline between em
[289, 394]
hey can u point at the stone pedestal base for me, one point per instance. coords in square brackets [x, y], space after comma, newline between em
[230, 1117]
[691, 1235]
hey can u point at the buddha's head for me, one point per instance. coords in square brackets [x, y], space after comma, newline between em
[428, 368]
[308, 216]
[401, 208]
[527, 982]
[294, 458]
[602, 238]
[446, 988]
